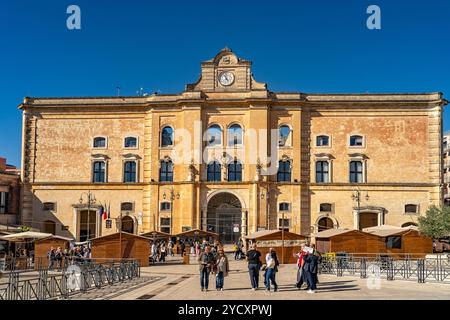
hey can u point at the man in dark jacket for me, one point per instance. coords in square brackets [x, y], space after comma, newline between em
[310, 269]
[254, 265]
[206, 262]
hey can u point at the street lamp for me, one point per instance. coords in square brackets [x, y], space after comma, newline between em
[356, 196]
[90, 202]
[266, 196]
[172, 196]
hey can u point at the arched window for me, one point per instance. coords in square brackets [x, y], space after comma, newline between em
[214, 135]
[99, 142]
[284, 138]
[167, 137]
[127, 225]
[235, 171]
[49, 227]
[356, 141]
[99, 171]
[409, 224]
[322, 172]
[325, 224]
[234, 135]
[214, 171]
[130, 142]
[322, 141]
[129, 171]
[284, 171]
[356, 172]
[166, 171]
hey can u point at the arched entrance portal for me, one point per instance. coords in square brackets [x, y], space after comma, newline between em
[224, 216]
[127, 225]
[368, 219]
[325, 223]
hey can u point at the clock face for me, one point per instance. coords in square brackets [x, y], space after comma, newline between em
[226, 78]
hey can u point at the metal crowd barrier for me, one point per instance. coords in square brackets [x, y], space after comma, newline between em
[93, 274]
[434, 269]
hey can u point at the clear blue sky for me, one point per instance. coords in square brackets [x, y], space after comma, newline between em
[301, 45]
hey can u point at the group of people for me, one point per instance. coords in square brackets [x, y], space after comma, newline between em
[213, 260]
[58, 255]
[160, 250]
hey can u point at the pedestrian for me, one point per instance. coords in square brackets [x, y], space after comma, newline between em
[58, 258]
[182, 247]
[319, 260]
[206, 262]
[254, 265]
[51, 258]
[300, 264]
[170, 248]
[272, 264]
[162, 257]
[222, 269]
[310, 269]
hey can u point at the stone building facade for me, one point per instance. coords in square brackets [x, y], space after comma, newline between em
[199, 159]
[10, 190]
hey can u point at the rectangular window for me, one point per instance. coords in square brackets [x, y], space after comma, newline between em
[166, 171]
[356, 172]
[322, 172]
[394, 242]
[99, 174]
[283, 224]
[165, 225]
[165, 206]
[4, 199]
[326, 207]
[283, 206]
[49, 206]
[127, 206]
[129, 175]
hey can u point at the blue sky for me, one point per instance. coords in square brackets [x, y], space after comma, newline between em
[308, 46]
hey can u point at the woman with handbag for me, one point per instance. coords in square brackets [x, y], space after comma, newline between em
[272, 264]
[221, 269]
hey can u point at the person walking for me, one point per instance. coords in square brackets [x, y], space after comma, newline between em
[310, 269]
[319, 260]
[222, 269]
[162, 257]
[300, 264]
[58, 258]
[51, 258]
[206, 262]
[183, 247]
[272, 264]
[254, 265]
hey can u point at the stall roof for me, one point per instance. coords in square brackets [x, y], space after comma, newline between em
[57, 237]
[200, 233]
[273, 233]
[387, 230]
[124, 234]
[335, 232]
[155, 234]
[26, 236]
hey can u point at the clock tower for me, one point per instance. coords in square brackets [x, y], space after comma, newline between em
[226, 73]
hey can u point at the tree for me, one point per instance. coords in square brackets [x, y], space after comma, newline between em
[436, 223]
[24, 229]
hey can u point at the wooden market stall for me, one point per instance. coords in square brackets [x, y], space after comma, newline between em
[348, 241]
[131, 247]
[267, 239]
[43, 246]
[402, 241]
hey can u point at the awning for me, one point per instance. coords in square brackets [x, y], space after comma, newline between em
[28, 235]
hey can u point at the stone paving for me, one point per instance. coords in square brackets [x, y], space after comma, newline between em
[181, 282]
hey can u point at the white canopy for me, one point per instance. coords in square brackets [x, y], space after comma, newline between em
[28, 235]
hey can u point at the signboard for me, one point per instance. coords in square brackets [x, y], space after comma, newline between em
[108, 224]
[278, 243]
[236, 228]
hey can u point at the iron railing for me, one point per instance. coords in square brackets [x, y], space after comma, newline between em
[67, 283]
[430, 269]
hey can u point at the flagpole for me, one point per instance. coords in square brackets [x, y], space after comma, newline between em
[120, 236]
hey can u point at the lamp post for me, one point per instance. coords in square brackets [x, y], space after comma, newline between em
[356, 196]
[172, 196]
[90, 201]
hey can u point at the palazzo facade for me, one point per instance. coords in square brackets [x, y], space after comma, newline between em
[199, 159]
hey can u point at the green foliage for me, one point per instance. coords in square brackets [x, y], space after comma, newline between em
[24, 228]
[436, 223]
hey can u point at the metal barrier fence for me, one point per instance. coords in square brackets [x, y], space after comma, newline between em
[435, 269]
[85, 276]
